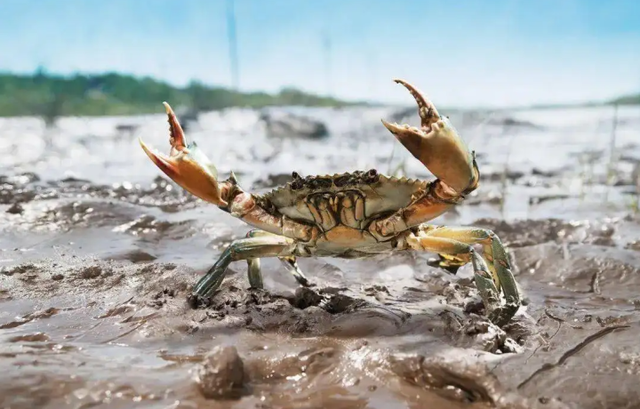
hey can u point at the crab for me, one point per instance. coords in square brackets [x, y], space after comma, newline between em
[353, 215]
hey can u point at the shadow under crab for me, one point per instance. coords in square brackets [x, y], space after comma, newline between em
[354, 215]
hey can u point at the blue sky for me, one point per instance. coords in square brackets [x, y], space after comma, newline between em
[467, 52]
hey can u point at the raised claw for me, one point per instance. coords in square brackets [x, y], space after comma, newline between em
[437, 144]
[186, 164]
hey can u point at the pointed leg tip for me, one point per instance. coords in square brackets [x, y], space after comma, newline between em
[155, 157]
[144, 146]
[148, 149]
[391, 127]
[151, 153]
[167, 107]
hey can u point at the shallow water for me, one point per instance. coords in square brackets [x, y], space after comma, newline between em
[98, 253]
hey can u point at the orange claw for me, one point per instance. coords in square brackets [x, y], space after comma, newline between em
[186, 164]
[437, 144]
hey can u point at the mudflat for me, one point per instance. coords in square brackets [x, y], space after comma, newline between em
[98, 254]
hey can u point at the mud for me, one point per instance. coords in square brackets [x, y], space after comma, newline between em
[98, 255]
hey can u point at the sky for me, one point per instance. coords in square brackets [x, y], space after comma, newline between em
[462, 53]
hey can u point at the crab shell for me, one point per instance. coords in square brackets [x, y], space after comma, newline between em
[342, 208]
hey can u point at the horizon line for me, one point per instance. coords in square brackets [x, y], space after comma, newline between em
[365, 101]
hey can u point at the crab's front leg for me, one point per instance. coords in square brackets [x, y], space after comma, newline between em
[438, 146]
[189, 167]
[490, 276]
[249, 248]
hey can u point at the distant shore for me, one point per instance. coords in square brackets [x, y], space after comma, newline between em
[51, 96]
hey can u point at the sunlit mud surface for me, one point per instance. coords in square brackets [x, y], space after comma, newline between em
[98, 255]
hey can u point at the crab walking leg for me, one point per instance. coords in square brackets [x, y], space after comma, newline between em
[243, 249]
[489, 277]
[290, 263]
[493, 251]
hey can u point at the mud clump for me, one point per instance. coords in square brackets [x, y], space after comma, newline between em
[91, 272]
[221, 375]
[15, 208]
[305, 311]
[488, 337]
[634, 245]
[305, 297]
[460, 380]
[20, 269]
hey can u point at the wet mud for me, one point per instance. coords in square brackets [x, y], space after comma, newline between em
[95, 272]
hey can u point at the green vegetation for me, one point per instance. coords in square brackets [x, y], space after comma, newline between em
[627, 100]
[50, 96]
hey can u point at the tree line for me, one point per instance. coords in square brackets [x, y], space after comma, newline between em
[51, 96]
[47, 95]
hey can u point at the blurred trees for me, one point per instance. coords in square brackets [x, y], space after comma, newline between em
[627, 100]
[50, 96]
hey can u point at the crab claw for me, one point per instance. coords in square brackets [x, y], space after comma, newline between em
[437, 144]
[186, 164]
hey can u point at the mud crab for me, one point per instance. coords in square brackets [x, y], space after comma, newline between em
[354, 214]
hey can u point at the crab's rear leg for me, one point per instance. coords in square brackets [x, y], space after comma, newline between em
[491, 275]
[289, 262]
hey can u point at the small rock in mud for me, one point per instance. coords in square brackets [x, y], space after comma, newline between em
[161, 297]
[511, 175]
[90, 272]
[305, 297]
[221, 374]
[491, 338]
[15, 208]
[545, 173]
[634, 245]
[340, 303]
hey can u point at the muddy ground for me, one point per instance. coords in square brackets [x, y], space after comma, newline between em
[98, 254]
